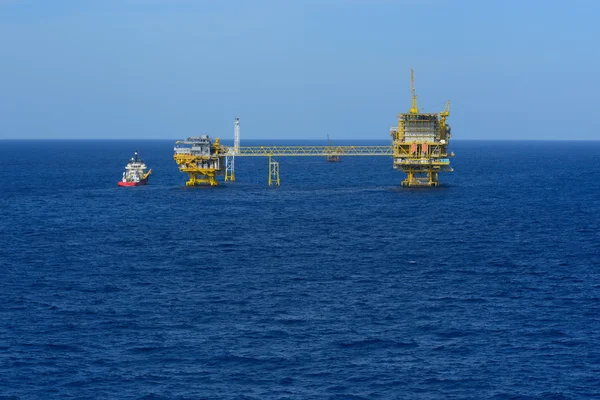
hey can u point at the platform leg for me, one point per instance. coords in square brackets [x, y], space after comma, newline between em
[273, 172]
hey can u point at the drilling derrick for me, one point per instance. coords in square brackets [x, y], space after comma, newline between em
[201, 159]
[420, 143]
[331, 152]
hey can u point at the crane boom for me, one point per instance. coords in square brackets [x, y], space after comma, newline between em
[446, 111]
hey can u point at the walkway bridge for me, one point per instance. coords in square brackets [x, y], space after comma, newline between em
[296, 151]
[319, 151]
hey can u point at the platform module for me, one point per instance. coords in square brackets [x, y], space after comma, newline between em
[420, 144]
[201, 159]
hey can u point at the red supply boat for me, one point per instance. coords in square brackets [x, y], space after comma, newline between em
[135, 173]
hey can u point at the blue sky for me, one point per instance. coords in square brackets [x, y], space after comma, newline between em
[303, 69]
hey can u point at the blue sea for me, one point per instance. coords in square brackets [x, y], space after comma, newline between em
[339, 284]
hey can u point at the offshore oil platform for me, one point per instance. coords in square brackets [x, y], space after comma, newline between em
[419, 148]
[420, 143]
[201, 159]
[204, 160]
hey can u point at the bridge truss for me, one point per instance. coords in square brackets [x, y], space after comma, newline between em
[296, 151]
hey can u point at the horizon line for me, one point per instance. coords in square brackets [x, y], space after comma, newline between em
[340, 139]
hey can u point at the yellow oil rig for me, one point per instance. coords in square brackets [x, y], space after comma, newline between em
[201, 159]
[419, 148]
[420, 144]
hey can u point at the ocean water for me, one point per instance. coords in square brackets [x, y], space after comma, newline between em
[337, 285]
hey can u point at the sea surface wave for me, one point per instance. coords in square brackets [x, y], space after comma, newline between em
[337, 285]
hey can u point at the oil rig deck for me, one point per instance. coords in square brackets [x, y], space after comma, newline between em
[419, 148]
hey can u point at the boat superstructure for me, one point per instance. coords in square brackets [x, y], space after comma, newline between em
[420, 144]
[135, 172]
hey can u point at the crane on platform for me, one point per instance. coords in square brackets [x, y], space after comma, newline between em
[446, 111]
[444, 127]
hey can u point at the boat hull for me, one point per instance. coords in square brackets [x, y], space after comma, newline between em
[140, 183]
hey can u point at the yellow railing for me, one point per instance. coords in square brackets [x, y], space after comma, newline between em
[419, 161]
[258, 151]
